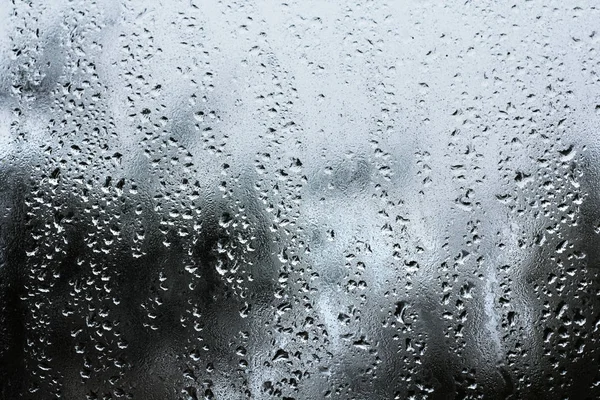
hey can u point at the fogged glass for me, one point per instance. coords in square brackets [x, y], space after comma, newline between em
[299, 200]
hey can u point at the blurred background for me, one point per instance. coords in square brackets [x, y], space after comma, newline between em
[299, 200]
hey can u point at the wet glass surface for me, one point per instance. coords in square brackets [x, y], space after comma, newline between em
[299, 200]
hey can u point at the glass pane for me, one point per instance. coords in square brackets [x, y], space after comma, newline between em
[299, 200]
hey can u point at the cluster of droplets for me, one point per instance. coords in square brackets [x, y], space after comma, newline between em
[279, 200]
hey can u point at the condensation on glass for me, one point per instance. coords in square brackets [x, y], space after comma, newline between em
[299, 199]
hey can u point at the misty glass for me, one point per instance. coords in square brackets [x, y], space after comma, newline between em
[299, 199]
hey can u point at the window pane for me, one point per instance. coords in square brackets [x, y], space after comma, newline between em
[300, 200]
